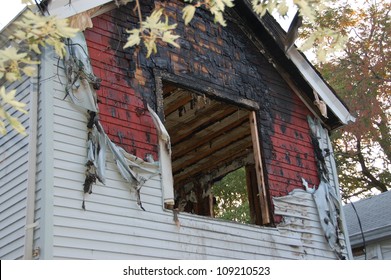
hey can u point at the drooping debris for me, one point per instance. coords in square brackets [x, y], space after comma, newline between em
[80, 87]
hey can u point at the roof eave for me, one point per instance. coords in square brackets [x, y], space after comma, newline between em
[306, 70]
[318, 85]
[66, 8]
[10, 28]
[373, 235]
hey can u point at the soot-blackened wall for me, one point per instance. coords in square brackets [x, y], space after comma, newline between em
[214, 56]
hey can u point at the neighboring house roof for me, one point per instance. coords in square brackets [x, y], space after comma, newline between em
[375, 217]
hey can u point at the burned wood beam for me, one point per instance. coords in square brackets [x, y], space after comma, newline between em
[186, 130]
[225, 126]
[266, 219]
[209, 151]
[223, 156]
[253, 195]
[215, 168]
[177, 104]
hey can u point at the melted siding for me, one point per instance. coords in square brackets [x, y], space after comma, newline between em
[113, 227]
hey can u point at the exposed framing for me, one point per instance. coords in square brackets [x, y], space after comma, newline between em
[259, 204]
[259, 169]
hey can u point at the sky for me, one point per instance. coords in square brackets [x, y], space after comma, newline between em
[8, 10]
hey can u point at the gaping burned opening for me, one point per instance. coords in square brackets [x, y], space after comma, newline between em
[212, 138]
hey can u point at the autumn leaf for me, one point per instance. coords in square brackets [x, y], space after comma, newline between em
[9, 98]
[29, 70]
[11, 76]
[3, 131]
[283, 9]
[151, 47]
[133, 39]
[62, 28]
[17, 125]
[170, 38]
[11, 53]
[188, 13]
[27, 2]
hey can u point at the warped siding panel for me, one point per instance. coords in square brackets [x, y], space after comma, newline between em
[13, 179]
[118, 218]
[151, 243]
[114, 227]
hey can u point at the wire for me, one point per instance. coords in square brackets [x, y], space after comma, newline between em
[362, 232]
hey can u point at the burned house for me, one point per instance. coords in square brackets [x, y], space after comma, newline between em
[123, 152]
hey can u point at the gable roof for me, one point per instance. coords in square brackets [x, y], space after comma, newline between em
[292, 65]
[375, 218]
[295, 66]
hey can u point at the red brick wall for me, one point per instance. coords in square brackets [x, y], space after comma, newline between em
[218, 56]
[293, 152]
[122, 111]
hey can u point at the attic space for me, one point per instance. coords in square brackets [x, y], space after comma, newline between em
[210, 138]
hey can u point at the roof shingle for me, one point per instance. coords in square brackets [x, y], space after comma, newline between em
[374, 214]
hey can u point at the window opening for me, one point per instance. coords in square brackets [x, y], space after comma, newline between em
[212, 141]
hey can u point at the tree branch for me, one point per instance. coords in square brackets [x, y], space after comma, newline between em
[366, 172]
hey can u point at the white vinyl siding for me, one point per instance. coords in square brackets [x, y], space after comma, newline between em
[386, 249]
[114, 227]
[13, 179]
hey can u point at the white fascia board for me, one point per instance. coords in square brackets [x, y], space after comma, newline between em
[320, 87]
[67, 8]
